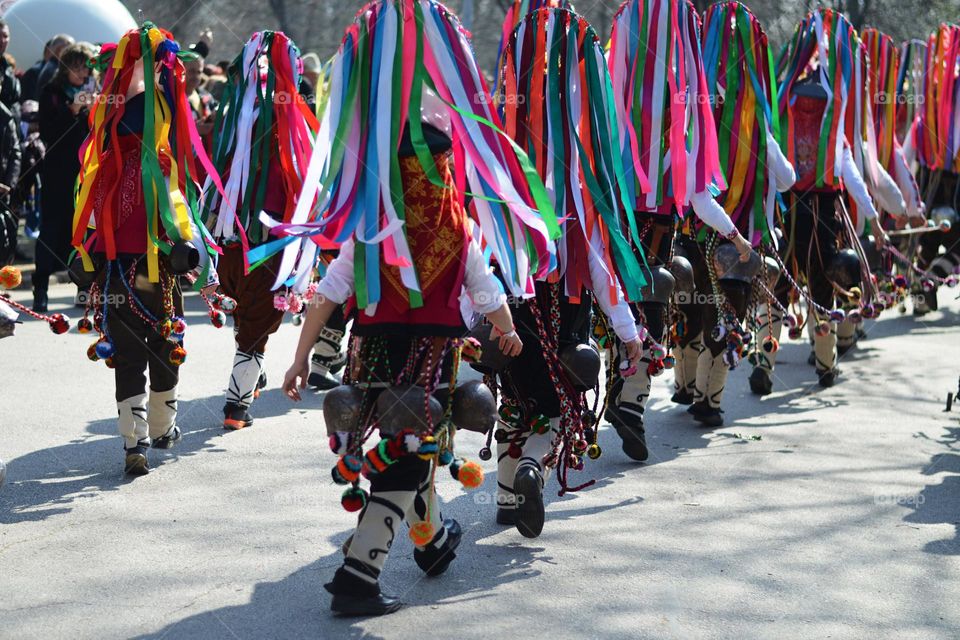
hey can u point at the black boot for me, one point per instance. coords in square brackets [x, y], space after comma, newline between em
[629, 425]
[507, 516]
[530, 512]
[682, 396]
[434, 560]
[236, 417]
[827, 379]
[705, 414]
[40, 299]
[760, 382]
[135, 460]
[353, 596]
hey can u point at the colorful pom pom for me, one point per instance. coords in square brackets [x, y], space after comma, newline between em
[422, 533]
[770, 345]
[354, 499]
[669, 362]
[280, 302]
[92, 351]
[84, 325]
[179, 325]
[795, 333]
[540, 424]
[104, 349]
[446, 457]
[837, 315]
[428, 448]
[347, 470]
[10, 277]
[658, 352]
[471, 351]
[177, 356]
[59, 323]
[822, 329]
[468, 472]
[218, 318]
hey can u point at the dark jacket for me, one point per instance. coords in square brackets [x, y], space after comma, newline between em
[10, 89]
[63, 134]
[30, 82]
[9, 148]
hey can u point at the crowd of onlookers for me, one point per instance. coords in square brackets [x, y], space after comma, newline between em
[44, 112]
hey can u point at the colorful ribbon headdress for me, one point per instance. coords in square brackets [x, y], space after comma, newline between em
[740, 78]
[516, 12]
[557, 104]
[938, 121]
[882, 92]
[668, 139]
[262, 119]
[394, 50]
[826, 48]
[909, 85]
[170, 148]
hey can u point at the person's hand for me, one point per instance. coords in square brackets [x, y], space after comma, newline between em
[634, 350]
[880, 237]
[210, 289]
[743, 247]
[75, 107]
[4, 189]
[509, 342]
[296, 379]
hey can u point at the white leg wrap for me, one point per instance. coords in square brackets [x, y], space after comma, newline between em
[132, 420]
[244, 378]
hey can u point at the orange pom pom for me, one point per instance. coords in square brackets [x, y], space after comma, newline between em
[422, 533]
[10, 277]
[470, 475]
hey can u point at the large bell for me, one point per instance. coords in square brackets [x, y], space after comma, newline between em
[402, 407]
[582, 362]
[682, 272]
[491, 358]
[341, 409]
[474, 407]
[726, 259]
[844, 268]
[184, 257]
[659, 286]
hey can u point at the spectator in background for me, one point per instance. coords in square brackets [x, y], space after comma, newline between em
[9, 84]
[64, 107]
[58, 45]
[9, 172]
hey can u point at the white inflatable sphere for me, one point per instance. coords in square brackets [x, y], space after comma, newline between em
[34, 22]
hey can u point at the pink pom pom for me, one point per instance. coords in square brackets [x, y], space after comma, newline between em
[280, 302]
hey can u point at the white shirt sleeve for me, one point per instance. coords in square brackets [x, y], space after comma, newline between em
[887, 193]
[907, 183]
[600, 280]
[483, 288]
[856, 186]
[338, 283]
[711, 213]
[783, 174]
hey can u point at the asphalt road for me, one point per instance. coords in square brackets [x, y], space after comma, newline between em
[812, 514]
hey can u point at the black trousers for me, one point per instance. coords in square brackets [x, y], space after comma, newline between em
[811, 234]
[701, 314]
[138, 349]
